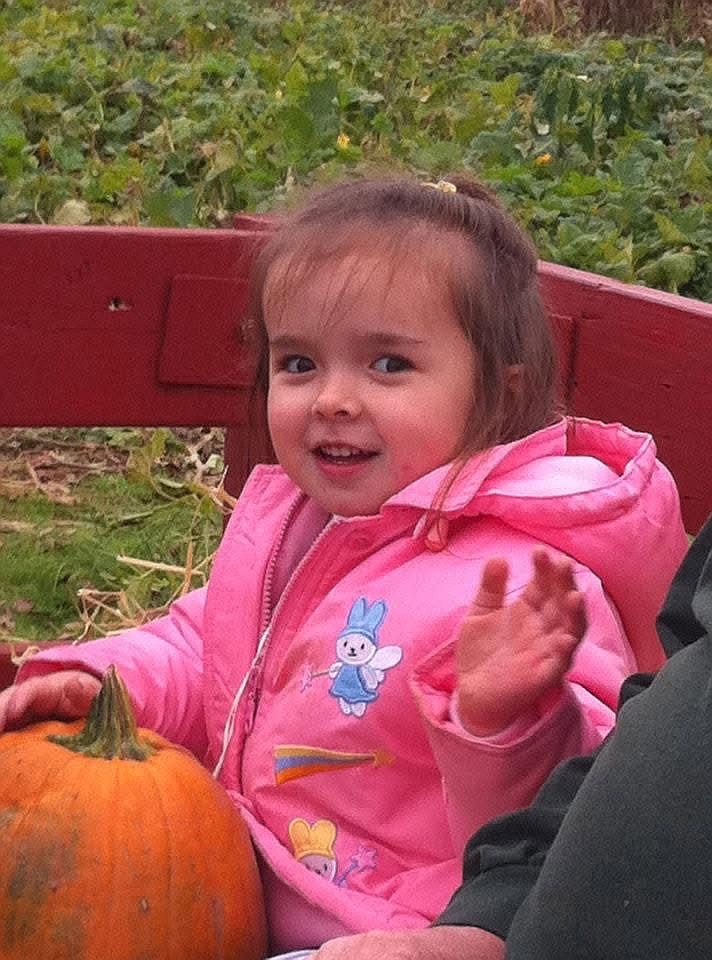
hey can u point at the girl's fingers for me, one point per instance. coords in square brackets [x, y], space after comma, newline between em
[26, 705]
[69, 698]
[564, 576]
[13, 708]
[566, 613]
[493, 587]
[539, 588]
[3, 713]
[577, 613]
[551, 579]
[77, 696]
[60, 696]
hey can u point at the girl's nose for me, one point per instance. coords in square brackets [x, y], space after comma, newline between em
[338, 398]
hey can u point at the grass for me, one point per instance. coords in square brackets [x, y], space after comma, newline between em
[61, 540]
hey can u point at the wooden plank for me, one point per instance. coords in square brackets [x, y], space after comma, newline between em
[123, 326]
[644, 358]
[102, 326]
[564, 330]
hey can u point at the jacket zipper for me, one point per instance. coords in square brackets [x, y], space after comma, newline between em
[268, 620]
[269, 574]
[247, 685]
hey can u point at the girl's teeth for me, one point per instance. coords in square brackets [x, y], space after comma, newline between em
[339, 451]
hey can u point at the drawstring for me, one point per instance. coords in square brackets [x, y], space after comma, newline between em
[229, 728]
[436, 527]
[436, 537]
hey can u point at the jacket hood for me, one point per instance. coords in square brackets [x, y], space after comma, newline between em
[593, 491]
[574, 471]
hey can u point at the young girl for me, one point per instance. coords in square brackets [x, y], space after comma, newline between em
[325, 674]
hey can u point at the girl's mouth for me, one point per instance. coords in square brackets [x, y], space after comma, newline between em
[343, 455]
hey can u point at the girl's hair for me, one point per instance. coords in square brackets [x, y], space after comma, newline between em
[488, 262]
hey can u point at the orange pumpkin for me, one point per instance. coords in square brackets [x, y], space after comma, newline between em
[117, 845]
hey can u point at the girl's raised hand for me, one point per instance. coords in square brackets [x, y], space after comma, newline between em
[65, 695]
[510, 657]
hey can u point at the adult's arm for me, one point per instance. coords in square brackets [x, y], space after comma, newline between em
[431, 943]
[504, 858]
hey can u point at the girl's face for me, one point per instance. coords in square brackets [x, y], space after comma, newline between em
[371, 380]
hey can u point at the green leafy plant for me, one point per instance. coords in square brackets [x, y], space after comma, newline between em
[172, 114]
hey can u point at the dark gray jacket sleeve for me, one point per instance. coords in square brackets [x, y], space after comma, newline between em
[503, 859]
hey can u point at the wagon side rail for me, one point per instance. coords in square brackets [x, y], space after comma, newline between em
[103, 326]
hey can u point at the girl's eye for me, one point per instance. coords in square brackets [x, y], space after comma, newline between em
[392, 364]
[297, 364]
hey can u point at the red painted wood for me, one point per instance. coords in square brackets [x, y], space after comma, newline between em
[105, 326]
[564, 330]
[123, 326]
[7, 667]
[205, 313]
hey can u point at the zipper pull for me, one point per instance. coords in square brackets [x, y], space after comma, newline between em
[252, 700]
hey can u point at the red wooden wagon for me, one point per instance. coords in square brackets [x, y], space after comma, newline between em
[104, 326]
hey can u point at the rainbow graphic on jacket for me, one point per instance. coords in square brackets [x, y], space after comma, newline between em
[293, 761]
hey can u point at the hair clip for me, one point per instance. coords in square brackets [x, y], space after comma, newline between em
[444, 186]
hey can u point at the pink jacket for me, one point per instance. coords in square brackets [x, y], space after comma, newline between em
[342, 753]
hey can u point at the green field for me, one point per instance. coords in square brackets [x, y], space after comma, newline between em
[177, 112]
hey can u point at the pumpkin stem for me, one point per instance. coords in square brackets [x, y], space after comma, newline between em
[110, 730]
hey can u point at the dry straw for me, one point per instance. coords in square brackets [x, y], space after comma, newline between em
[674, 19]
